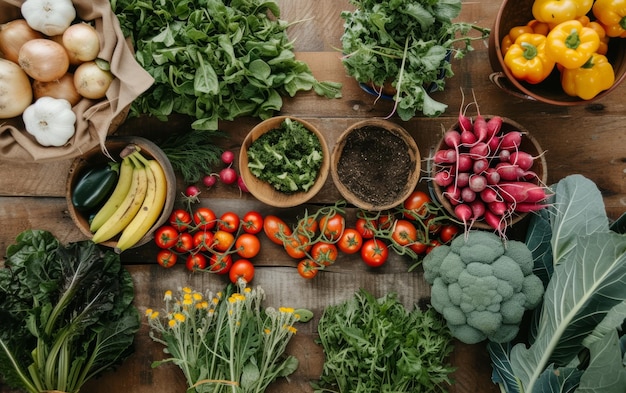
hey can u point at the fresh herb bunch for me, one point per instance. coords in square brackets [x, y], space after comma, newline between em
[289, 157]
[408, 44]
[66, 313]
[225, 342]
[214, 59]
[376, 345]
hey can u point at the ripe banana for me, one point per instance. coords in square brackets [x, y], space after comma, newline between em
[127, 209]
[116, 198]
[150, 209]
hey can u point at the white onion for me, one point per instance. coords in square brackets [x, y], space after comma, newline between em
[91, 81]
[13, 35]
[15, 92]
[43, 60]
[60, 88]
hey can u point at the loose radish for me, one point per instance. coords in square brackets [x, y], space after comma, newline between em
[522, 159]
[521, 191]
[467, 195]
[242, 185]
[228, 157]
[209, 180]
[228, 175]
[480, 165]
[511, 140]
[443, 178]
[477, 183]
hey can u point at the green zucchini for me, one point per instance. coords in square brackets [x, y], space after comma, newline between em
[94, 186]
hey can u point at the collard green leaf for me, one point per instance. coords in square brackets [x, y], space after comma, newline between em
[562, 380]
[538, 239]
[605, 373]
[502, 372]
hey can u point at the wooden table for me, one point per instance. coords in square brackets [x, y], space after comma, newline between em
[587, 139]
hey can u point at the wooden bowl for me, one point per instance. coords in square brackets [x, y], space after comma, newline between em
[372, 188]
[114, 146]
[518, 13]
[265, 192]
[529, 145]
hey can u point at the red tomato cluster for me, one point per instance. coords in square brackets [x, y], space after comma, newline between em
[221, 245]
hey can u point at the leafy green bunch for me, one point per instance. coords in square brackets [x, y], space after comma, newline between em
[376, 345]
[407, 44]
[214, 59]
[225, 342]
[66, 313]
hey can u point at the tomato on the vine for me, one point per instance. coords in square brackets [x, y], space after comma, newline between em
[220, 263]
[297, 245]
[276, 229]
[167, 258]
[374, 252]
[418, 247]
[166, 236]
[386, 220]
[448, 232]
[366, 227]
[415, 205]
[195, 262]
[404, 233]
[203, 240]
[307, 268]
[180, 219]
[324, 254]
[184, 242]
[243, 269]
[332, 225]
[228, 222]
[247, 245]
[307, 226]
[350, 242]
[252, 222]
[204, 218]
[222, 240]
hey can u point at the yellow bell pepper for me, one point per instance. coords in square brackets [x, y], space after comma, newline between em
[604, 39]
[586, 82]
[612, 15]
[571, 44]
[555, 11]
[583, 7]
[527, 59]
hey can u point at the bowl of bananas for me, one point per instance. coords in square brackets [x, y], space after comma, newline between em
[120, 198]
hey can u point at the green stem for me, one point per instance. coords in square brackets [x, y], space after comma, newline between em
[28, 385]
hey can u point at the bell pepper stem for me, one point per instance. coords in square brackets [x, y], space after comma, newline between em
[573, 39]
[530, 50]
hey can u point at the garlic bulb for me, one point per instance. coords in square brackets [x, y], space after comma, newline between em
[50, 17]
[50, 120]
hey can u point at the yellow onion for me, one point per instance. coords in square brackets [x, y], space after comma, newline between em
[15, 92]
[13, 35]
[60, 88]
[43, 60]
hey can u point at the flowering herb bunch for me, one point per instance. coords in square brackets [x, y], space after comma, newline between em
[225, 342]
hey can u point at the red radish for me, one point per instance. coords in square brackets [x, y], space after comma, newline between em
[452, 138]
[499, 208]
[494, 143]
[477, 183]
[228, 157]
[228, 175]
[492, 176]
[496, 222]
[511, 140]
[209, 180]
[453, 193]
[478, 209]
[528, 207]
[242, 185]
[480, 128]
[489, 195]
[509, 171]
[504, 155]
[479, 150]
[192, 191]
[521, 191]
[468, 137]
[464, 121]
[464, 213]
[493, 126]
[447, 156]
[443, 178]
[462, 179]
[464, 162]
[480, 165]
[467, 195]
[522, 159]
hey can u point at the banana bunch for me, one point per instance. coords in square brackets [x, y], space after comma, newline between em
[135, 204]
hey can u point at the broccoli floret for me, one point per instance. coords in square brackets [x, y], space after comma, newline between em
[481, 288]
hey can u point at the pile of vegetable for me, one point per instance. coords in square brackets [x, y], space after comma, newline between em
[571, 37]
[288, 157]
[214, 60]
[406, 44]
[226, 342]
[575, 337]
[66, 312]
[377, 345]
[50, 58]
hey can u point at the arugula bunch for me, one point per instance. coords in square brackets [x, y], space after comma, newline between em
[66, 313]
[214, 59]
[408, 44]
[376, 345]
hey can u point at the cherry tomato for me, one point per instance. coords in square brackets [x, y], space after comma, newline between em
[247, 245]
[166, 258]
[366, 227]
[220, 263]
[242, 268]
[203, 240]
[404, 233]
[252, 222]
[166, 236]
[297, 245]
[276, 229]
[307, 268]
[433, 243]
[228, 222]
[324, 254]
[180, 219]
[416, 205]
[448, 232]
[433, 225]
[222, 240]
[195, 262]
[351, 241]
[332, 226]
[386, 220]
[308, 226]
[418, 247]
[204, 218]
[184, 243]
[374, 252]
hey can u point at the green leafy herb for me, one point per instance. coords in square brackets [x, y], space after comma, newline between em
[289, 158]
[214, 59]
[77, 304]
[375, 345]
[407, 43]
[574, 340]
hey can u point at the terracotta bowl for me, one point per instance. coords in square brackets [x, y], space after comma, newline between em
[518, 13]
[265, 192]
[115, 145]
[529, 145]
[367, 193]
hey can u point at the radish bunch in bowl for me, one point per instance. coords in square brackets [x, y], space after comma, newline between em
[489, 172]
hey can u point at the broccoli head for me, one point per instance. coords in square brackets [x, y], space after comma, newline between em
[482, 286]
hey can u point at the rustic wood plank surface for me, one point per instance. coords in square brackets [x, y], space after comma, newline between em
[587, 139]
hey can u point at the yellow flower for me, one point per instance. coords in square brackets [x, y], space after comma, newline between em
[197, 296]
[149, 312]
[187, 290]
[202, 305]
[286, 310]
[187, 302]
[154, 315]
[236, 297]
[215, 300]
[179, 317]
[292, 329]
[168, 295]
[267, 331]
[172, 323]
[247, 290]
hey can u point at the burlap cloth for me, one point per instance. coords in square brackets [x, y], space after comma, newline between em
[95, 119]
